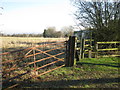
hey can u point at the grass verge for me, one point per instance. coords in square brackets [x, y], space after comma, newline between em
[88, 73]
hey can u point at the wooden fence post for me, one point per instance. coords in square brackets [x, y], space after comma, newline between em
[83, 48]
[70, 54]
[89, 54]
[80, 56]
[90, 51]
[96, 50]
[76, 52]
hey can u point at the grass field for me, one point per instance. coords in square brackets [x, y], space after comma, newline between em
[88, 73]
[14, 43]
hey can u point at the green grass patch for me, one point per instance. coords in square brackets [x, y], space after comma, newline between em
[88, 73]
[101, 64]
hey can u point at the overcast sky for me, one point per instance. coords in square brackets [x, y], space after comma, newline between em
[33, 16]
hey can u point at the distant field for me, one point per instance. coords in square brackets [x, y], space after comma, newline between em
[23, 42]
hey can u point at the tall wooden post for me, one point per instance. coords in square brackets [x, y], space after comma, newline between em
[83, 47]
[70, 55]
[76, 51]
[80, 56]
[96, 50]
[89, 54]
[90, 51]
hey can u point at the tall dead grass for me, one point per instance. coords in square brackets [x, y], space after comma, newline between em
[23, 42]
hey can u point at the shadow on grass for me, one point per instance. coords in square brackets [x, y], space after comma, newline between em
[67, 83]
[83, 63]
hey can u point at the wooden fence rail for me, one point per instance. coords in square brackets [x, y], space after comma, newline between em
[88, 48]
[112, 48]
[112, 42]
[85, 48]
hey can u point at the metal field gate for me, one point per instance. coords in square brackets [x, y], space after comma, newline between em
[23, 64]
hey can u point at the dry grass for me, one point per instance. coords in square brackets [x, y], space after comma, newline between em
[23, 42]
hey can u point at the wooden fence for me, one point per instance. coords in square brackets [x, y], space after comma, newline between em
[85, 48]
[88, 48]
[108, 49]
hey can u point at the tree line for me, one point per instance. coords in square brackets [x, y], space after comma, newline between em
[50, 32]
[21, 35]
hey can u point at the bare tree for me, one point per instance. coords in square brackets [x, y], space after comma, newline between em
[0, 12]
[98, 15]
[67, 31]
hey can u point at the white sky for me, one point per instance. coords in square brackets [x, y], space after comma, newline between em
[33, 16]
